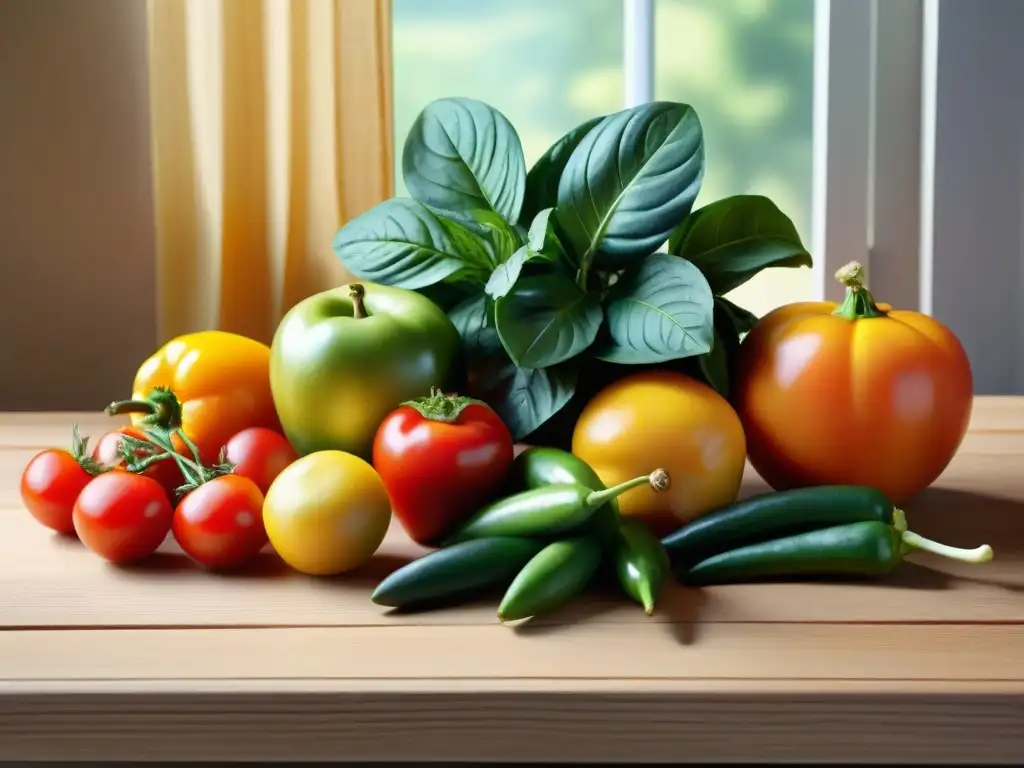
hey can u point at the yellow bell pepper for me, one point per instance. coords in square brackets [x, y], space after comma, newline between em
[221, 385]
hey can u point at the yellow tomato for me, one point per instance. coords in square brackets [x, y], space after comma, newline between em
[663, 419]
[327, 513]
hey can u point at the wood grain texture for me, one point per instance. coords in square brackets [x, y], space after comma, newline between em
[98, 662]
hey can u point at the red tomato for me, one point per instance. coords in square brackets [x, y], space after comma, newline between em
[122, 516]
[440, 458]
[220, 523]
[108, 452]
[260, 454]
[50, 484]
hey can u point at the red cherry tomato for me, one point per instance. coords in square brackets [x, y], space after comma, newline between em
[108, 452]
[220, 523]
[122, 516]
[260, 454]
[441, 458]
[50, 485]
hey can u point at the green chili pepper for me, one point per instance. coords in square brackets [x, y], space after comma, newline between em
[556, 574]
[856, 549]
[456, 572]
[540, 466]
[641, 563]
[774, 515]
[549, 511]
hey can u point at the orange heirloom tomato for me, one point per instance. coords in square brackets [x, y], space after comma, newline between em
[857, 393]
[663, 419]
[221, 380]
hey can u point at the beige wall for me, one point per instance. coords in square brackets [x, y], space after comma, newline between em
[76, 243]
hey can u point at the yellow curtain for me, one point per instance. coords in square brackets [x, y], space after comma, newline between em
[271, 127]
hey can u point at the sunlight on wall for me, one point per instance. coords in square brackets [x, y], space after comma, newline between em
[548, 65]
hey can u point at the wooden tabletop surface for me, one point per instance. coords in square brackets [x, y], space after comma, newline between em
[164, 660]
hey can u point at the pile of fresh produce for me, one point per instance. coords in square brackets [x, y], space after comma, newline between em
[500, 304]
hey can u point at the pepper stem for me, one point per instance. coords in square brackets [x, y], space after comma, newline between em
[356, 292]
[658, 480]
[438, 406]
[161, 407]
[912, 541]
[899, 519]
[859, 303]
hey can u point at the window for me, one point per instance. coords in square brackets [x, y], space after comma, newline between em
[745, 65]
[860, 118]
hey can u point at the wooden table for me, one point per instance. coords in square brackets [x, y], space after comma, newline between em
[166, 661]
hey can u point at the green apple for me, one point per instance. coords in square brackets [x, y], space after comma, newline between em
[343, 359]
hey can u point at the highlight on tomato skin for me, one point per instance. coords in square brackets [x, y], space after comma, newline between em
[856, 393]
[220, 523]
[260, 454]
[50, 485]
[441, 457]
[122, 517]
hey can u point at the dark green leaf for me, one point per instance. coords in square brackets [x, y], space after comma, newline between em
[542, 238]
[403, 243]
[462, 155]
[546, 319]
[447, 294]
[662, 311]
[733, 239]
[526, 398]
[542, 180]
[503, 237]
[741, 319]
[715, 366]
[542, 246]
[630, 181]
[505, 275]
[474, 319]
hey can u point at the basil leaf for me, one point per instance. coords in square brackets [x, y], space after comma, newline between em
[630, 181]
[542, 238]
[402, 243]
[542, 246]
[662, 311]
[546, 319]
[733, 239]
[715, 366]
[447, 294]
[505, 275]
[526, 398]
[542, 180]
[462, 154]
[474, 320]
[742, 320]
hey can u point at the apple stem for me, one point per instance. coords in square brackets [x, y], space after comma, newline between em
[356, 292]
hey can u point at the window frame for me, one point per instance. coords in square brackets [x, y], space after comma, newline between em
[866, 141]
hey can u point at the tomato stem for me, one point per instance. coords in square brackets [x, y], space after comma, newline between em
[437, 406]
[161, 407]
[80, 452]
[191, 445]
[356, 292]
[859, 304]
[194, 472]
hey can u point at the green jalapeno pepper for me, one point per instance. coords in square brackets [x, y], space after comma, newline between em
[549, 511]
[640, 563]
[556, 574]
[456, 573]
[870, 548]
[774, 515]
[540, 466]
